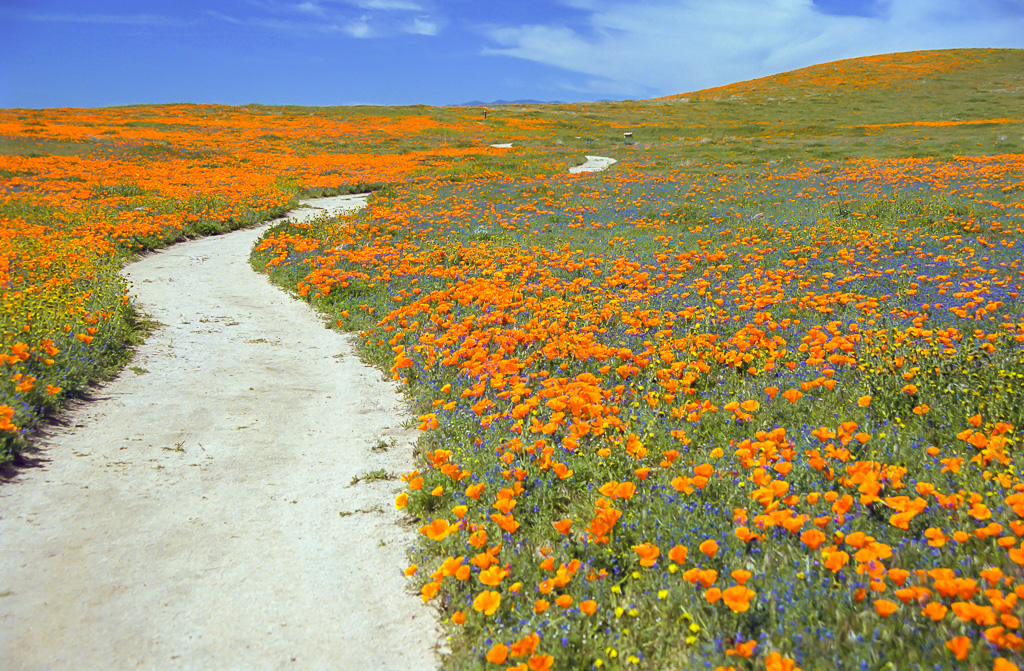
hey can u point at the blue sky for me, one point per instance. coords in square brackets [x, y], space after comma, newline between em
[91, 53]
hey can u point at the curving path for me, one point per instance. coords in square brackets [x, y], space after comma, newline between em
[593, 164]
[198, 512]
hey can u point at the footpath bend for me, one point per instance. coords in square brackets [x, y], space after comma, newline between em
[197, 512]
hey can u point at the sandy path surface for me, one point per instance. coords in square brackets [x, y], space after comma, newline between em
[198, 512]
[593, 164]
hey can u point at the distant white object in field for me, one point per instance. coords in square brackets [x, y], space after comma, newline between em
[329, 205]
[503, 145]
[593, 164]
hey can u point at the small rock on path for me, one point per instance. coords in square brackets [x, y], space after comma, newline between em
[198, 511]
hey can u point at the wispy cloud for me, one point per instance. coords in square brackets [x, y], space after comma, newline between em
[333, 7]
[663, 46]
[156, 20]
[389, 5]
[310, 8]
[603, 87]
[423, 26]
[360, 19]
[269, 23]
[359, 28]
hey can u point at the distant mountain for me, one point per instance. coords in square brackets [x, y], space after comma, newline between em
[480, 103]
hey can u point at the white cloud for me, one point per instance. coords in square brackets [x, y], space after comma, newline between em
[389, 5]
[665, 46]
[311, 8]
[359, 28]
[283, 25]
[603, 87]
[360, 19]
[423, 26]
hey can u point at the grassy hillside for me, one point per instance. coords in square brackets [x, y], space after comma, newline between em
[751, 398]
[835, 110]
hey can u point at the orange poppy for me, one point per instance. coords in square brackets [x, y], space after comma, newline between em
[527, 645]
[492, 576]
[562, 526]
[744, 650]
[497, 654]
[792, 395]
[709, 547]
[541, 662]
[935, 610]
[885, 608]
[959, 646]
[487, 602]
[776, 662]
[437, 530]
[678, 554]
[648, 553]
[738, 597]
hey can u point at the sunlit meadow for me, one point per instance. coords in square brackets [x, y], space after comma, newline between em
[751, 398]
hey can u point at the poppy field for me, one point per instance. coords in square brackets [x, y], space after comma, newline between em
[82, 191]
[752, 398]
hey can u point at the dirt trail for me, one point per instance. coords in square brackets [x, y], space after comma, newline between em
[593, 164]
[198, 512]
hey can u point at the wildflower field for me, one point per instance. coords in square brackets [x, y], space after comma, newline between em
[752, 398]
[81, 191]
